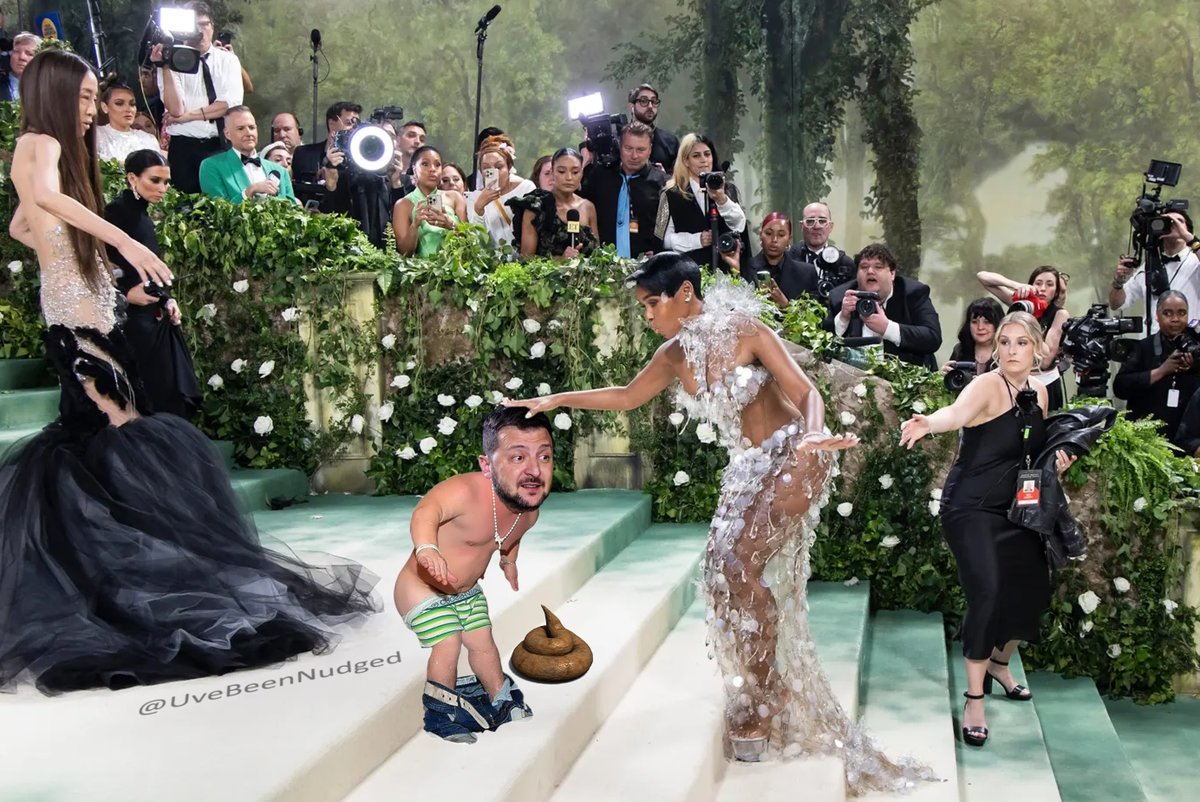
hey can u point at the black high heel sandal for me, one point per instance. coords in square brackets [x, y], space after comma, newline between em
[975, 736]
[1017, 693]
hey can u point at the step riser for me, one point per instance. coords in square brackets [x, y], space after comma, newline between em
[20, 374]
[24, 408]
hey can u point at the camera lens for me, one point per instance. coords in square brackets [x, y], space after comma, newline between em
[865, 307]
[714, 180]
[956, 380]
[727, 243]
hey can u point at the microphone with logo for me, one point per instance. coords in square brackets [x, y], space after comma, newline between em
[572, 224]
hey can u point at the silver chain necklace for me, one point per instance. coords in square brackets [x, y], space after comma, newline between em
[496, 523]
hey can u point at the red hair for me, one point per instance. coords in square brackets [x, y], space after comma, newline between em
[776, 216]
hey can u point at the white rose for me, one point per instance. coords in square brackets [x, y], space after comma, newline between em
[410, 364]
[844, 509]
[406, 453]
[537, 350]
[388, 341]
[497, 397]
[1088, 602]
[357, 423]
[562, 421]
[445, 400]
[290, 314]
[237, 365]
[919, 407]
[263, 425]
[681, 478]
[886, 481]
[544, 389]
[676, 418]
[207, 312]
[15, 267]
[1087, 626]
[847, 418]
[447, 426]
[473, 304]
[851, 582]
[530, 325]
[1170, 607]
[386, 410]
[264, 370]
[514, 383]
[472, 401]
[401, 381]
[936, 493]
[860, 390]
[705, 433]
[1121, 584]
[554, 324]
[241, 286]
[935, 507]
[1139, 504]
[1114, 651]
[216, 382]
[427, 445]
[890, 542]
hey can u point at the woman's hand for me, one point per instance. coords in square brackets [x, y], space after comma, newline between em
[706, 239]
[1062, 462]
[718, 195]
[543, 403]
[819, 441]
[139, 297]
[439, 218]
[174, 313]
[776, 294]
[1022, 292]
[946, 368]
[485, 197]
[914, 429]
[148, 266]
[734, 260]
[570, 253]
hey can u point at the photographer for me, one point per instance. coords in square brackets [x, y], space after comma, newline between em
[1187, 436]
[683, 222]
[975, 351]
[1044, 297]
[1160, 377]
[24, 47]
[830, 261]
[664, 146]
[196, 103]
[1179, 246]
[895, 308]
[309, 161]
[626, 195]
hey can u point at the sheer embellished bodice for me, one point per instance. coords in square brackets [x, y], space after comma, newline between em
[709, 342]
[67, 300]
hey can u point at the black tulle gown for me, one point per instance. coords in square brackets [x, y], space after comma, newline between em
[1001, 566]
[124, 559]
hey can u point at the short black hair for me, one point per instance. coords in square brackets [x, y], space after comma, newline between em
[334, 112]
[665, 272]
[414, 124]
[140, 161]
[877, 250]
[1171, 294]
[491, 130]
[633, 94]
[503, 417]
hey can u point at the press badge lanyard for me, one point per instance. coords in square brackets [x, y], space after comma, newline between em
[1029, 480]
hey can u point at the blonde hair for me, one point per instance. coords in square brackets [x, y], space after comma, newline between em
[1033, 329]
[680, 177]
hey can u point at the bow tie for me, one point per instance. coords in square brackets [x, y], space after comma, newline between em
[1168, 259]
[252, 160]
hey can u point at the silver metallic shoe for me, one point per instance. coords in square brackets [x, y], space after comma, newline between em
[748, 750]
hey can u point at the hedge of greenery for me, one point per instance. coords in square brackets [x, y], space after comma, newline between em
[259, 282]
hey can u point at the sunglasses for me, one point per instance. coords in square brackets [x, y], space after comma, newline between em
[816, 222]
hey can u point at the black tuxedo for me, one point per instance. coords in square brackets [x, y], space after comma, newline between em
[307, 161]
[664, 149]
[793, 275]
[1146, 400]
[911, 307]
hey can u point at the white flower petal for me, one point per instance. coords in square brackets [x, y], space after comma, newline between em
[847, 418]
[406, 453]
[705, 433]
[681, 478]
[845, 509]
[890, 542]
[401, 381]
[497, 397]
[886, 481]
[241, 286]
[1088, 602]
[537, 350]
[1139, 504]
[1121, 584]
[237, 365]
[388, 341]
[472, 401]
[216, 382]
[447, 426]
[514, 383]
[544, 389]
[919, 407]
[676, 418]
[386, 410]
[1087, 625]
[264, 370]
[860, 390]
[15, 267]
[1114, 651]
[562, 421]
[426, 445]
[263, 425]
[357, 422]
[446, 400]
[290, 314]
[531, 326]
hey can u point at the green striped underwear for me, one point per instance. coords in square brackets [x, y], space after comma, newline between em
[438, 617]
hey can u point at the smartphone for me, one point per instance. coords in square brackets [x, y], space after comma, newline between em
[491, 178]
[225, 38]
[764, 276]
[434, 200]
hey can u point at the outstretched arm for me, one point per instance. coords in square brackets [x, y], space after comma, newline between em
[972, 402]
[998, 285]
[650, 381]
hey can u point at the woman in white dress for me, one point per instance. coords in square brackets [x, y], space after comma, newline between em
[488, 206]
[119, 138]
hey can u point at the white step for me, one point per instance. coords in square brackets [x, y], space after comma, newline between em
[624, 613]
[812, 779]
[312, 739]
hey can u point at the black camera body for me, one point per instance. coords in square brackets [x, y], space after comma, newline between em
[1149, 222]
[712, 181]
[1189, 343]
[387, 113]
[727, 242]
[1091, 342]
[959, 376]
[180, 51]
[603, 132]
[866, 302]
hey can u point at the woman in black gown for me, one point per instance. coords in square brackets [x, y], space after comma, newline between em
[124, 559]
[544, 215]
[1001, 566]
[152, 324]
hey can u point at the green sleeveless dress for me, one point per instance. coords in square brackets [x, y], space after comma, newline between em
[429, 237]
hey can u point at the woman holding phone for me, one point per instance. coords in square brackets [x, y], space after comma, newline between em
[487, 206]
[421, 218]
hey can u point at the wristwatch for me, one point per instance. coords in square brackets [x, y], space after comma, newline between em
[1118, 285]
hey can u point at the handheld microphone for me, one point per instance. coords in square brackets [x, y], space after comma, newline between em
[487, 18]
[572, 224]
[315, 38]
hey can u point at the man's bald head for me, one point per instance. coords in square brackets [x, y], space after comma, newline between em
[816, 225]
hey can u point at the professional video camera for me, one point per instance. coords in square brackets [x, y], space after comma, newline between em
[1091, 342]
[1148, 223]
[959, 376]
[603, 130]
[175, 29]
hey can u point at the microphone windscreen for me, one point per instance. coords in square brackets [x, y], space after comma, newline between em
[315, 37]
[573, 226]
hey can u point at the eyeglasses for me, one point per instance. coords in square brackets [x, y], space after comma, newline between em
[206, 23]
[816, 222]
[648, 101]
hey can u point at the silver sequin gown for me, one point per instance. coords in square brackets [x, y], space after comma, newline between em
[124, 556]
[756, 563]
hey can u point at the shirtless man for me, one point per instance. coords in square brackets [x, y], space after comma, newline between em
[456, 528]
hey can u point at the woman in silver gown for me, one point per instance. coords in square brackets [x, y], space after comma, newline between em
[734, 372]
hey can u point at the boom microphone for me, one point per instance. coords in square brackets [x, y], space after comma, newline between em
[315, 38]
[487, 18]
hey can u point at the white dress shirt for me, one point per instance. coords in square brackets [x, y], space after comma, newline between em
[891, 334]
[1184, 276]
[226, 72]
[730, 212]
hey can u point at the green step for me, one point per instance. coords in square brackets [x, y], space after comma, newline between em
[838, 624]
[20, 374]
[1163, 745]
[24, 408]
[260, 489]
[225, 447]
[1089, 763]
[1014, 764]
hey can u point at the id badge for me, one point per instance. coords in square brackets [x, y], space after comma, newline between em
[1173, 398]
[1029, 488]
[633, 225]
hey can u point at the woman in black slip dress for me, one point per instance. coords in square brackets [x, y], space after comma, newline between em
[1001, 566]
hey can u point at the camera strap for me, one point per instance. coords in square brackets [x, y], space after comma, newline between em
[1029, 480]
[210, 90]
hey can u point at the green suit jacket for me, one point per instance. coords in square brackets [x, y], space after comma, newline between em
[223, 176]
